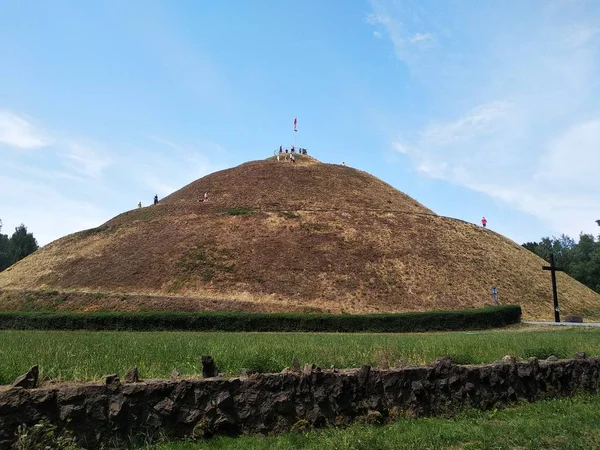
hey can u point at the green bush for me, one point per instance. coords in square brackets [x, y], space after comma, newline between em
[495, 316]
[43, 435]
[239, 211]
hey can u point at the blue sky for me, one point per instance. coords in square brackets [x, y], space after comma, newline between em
[473, 108]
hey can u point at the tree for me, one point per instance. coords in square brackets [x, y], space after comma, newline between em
[17, 247]
[580, 260]
[22, 244]
[531, 246]
[562, 248]
[4, 250]
[586, 261]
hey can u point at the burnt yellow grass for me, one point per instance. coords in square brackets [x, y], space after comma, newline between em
[281, 236]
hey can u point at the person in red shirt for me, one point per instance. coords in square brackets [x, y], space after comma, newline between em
[483, 222]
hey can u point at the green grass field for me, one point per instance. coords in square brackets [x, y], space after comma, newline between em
[572, 423]
[80, 355]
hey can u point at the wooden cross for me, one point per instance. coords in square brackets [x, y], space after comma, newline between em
[553, 269]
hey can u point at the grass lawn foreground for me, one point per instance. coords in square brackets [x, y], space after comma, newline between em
[572, 423]
[569, 423]
[83, 355]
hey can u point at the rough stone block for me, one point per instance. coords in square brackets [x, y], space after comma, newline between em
[209, 368]
[574, 319]
[29, 380]
[133, 376]
[296, 365]
[112, 382]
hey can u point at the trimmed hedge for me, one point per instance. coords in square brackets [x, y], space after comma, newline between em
[494, 316]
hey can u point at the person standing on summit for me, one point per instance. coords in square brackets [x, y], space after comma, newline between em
[484, 222]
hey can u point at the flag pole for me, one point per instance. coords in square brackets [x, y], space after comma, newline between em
[295, 133]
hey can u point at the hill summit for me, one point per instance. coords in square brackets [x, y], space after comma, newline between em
[281, 236]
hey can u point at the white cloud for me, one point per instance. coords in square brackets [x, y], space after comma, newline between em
[518, 119]
[51, 207]
[82, 158]
[422, 38]
[573, 158]
[47, 203]
[86, 159]
[157, 185]
[170, 165]
[475, 142]
[16, 131]
[166, 142]
[41, 173]
[433, 169]
[189, 151]
[404, 41]
[484, 119]
[400, 147]
[561, 186]
[580, 36]
[392, 29]
[46, 212]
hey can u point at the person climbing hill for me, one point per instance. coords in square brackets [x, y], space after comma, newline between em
[484, 222]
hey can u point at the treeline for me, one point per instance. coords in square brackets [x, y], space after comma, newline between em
[581, 260]
[16, 247]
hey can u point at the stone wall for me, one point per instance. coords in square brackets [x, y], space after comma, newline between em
[111, 413]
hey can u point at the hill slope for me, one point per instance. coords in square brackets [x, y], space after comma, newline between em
[278, 236]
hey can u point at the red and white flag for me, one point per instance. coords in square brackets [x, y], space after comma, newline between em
[295, 122]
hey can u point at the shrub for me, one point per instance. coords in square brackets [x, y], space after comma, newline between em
[494, 316]
[239, 211]
[43, 435]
